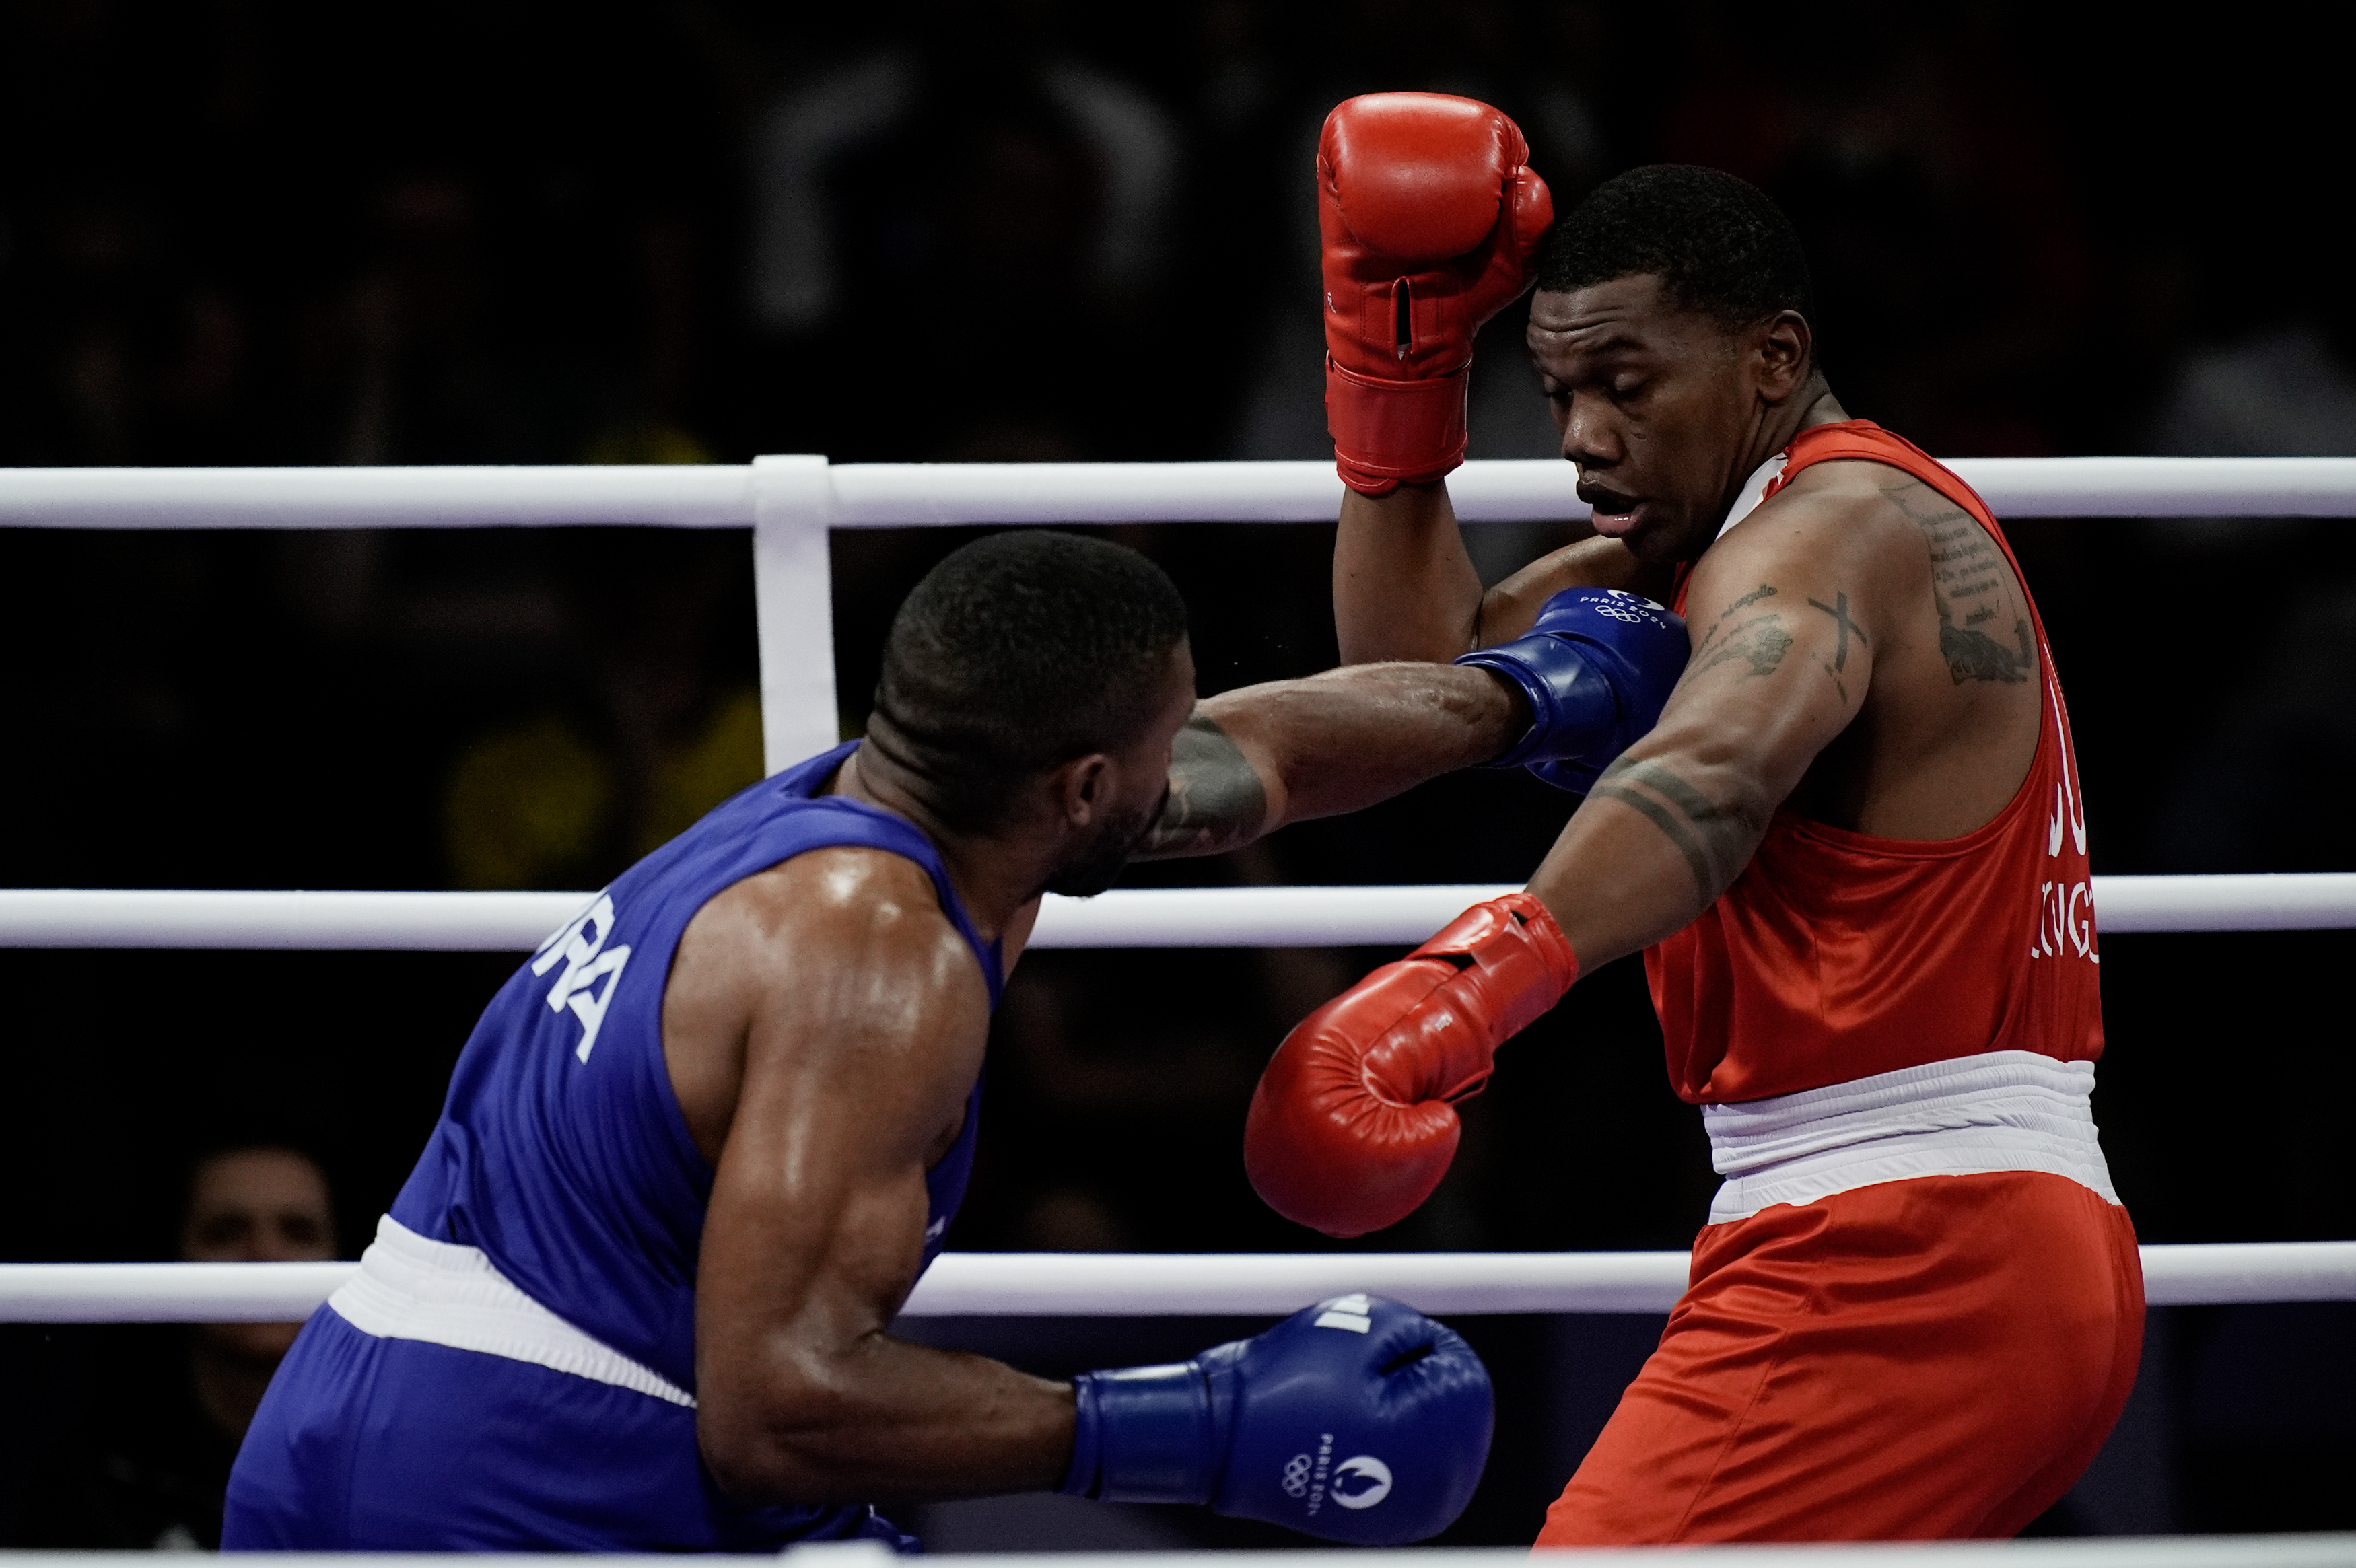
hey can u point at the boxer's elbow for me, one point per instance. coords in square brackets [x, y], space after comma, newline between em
[759, 1465]
[1743, 770]
[1712, 795]
[782, 1438]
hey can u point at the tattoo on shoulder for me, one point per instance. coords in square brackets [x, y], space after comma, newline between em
[1214, 800]
[1716, 841]
[1760, 642]
[1975, 656]
[1839, 611]
[1741, 604]
[1744, 603]
[1970, 587]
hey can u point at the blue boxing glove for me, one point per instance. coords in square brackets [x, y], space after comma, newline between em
[1355, 1419]
[1597, 668]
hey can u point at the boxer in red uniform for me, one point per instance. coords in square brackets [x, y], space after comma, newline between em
[1853, 852]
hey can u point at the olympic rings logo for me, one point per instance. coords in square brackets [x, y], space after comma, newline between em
[1296, 1476]
[1621, 605]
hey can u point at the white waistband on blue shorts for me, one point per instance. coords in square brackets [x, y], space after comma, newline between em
[409, 1287]
[2002, 1110]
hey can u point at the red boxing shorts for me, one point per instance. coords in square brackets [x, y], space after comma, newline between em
[1915, 1359]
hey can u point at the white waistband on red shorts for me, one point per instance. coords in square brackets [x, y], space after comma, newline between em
[411, 1288]
[2002, 1110]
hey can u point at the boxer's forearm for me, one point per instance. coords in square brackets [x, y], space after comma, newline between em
[1404, 587]
[880, 1420]
[1253, 760]
[1654, 843]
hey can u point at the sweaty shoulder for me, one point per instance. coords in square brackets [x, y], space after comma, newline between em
[1834, 521]
[1978, 623]
[1897, 572]
[832, 944]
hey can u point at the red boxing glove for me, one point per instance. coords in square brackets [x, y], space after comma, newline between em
[1354, 1122]
[1430, 220]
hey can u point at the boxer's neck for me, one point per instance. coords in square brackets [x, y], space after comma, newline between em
[993, 876]
[1777, 426]
[1782, 425]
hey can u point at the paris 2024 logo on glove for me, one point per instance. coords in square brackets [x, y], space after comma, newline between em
[1358, 1482]
[1636, 610]
[1361, 1482]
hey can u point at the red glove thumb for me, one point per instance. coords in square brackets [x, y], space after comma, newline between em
[1354, 1122]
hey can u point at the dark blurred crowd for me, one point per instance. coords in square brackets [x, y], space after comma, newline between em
[635, 231]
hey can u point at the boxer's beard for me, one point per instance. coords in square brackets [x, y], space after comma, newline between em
[1099, 864]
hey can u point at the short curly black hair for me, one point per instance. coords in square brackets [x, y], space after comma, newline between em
[1717, 244]
[1020, 651]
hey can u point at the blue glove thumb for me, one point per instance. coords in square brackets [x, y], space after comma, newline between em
[1597, 668]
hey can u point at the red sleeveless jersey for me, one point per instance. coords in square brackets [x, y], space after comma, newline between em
[1836, 954]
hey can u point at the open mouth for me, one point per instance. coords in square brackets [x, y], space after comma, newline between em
[1615, 514]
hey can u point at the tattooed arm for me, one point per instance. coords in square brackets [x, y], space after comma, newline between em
[1984, 631]
[1404, 587]
[1252, 760]
[1786, 622]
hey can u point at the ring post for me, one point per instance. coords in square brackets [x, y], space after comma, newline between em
[793, 598]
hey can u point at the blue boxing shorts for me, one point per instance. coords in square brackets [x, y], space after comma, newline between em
[372, 1444]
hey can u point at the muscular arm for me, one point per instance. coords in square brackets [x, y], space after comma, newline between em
[1788, 617]
[1404, 587]
[857, 1017]
[1252, 760]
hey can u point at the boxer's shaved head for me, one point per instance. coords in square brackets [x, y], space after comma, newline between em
[1017, 653]
[1718, 245]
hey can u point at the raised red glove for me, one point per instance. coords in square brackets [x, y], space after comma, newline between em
[1354, 1122]
[1432, 222]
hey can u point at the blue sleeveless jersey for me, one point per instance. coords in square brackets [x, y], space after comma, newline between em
[562, 1154]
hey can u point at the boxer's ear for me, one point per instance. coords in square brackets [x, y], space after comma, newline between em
[1782, 351]
[1082, 789]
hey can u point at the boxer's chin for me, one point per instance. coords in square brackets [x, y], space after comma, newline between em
[1098, 865]
[1662, 540]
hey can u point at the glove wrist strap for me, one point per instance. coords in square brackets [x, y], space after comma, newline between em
[1386, 434]
[1143, 1435]
[1514, 944]
[1534, 692]
[1572, 709]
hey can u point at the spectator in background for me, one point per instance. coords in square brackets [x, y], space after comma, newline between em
[141, 1427]
[249, 1203]
[2279, 382]
[1929, 184]
[1547, 65]
[970, 187]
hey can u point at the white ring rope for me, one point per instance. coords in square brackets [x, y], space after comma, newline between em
[2184, 1551]
[919, 494]
[1143, 1285]
[1136, 917]
[788, 502]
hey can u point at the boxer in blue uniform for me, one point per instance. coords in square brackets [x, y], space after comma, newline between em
[635, 1295]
